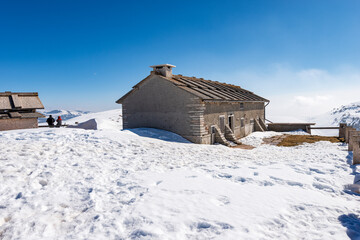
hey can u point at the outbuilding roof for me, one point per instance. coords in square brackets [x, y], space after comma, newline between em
[207, 90]
[20, 101]
[21, 115]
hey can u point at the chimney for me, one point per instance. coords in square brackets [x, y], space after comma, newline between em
[163, 69]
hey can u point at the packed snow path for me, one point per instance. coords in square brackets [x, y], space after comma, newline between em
[111, 184]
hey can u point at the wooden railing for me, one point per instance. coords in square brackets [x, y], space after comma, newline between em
[324, 127]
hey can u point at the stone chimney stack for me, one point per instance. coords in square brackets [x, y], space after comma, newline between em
[163, 70]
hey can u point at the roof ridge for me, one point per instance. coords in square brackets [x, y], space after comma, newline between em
[19, 93]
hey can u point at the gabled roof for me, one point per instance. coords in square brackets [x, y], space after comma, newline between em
[207, 90]
[17, 101]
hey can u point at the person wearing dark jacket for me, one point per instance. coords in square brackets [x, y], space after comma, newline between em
[58, 121]
[50, 121]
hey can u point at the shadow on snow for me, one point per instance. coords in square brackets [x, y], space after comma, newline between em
[158, 134]
[352, 223]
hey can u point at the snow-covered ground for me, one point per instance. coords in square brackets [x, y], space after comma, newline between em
[72, 183]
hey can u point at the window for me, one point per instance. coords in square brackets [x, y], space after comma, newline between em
[242, 122]
[241, 106]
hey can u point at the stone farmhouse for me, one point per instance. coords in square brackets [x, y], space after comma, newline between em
[18, 110]
[199, 110]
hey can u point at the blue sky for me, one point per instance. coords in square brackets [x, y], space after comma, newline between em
[87, 54]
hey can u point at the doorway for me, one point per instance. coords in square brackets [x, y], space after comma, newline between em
[222, 123]
[231, 121]
[212, 135]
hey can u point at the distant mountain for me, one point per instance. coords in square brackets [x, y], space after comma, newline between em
[349, 114]
[65, 114]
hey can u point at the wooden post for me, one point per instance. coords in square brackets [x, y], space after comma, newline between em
[352, 134]
[356, 150]
[342, 127]
[347, 129]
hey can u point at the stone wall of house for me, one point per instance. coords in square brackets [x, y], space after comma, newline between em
[158, 103]
[18, 123]
[213, 111]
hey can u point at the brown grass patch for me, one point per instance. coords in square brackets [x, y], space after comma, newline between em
[244, 146]
[295, 140]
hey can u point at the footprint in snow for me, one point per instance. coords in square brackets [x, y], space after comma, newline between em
[224, 175]
[242, 179]
[216, 227]
[288, 182]
[193, 176]
[43, 183]
[323, 187]
[137, 234]
[316, 171]
[203, 225]
[19, 195]
[221, 201]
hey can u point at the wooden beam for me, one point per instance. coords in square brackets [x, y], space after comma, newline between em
[324, 127]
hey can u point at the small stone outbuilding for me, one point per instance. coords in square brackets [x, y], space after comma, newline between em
[18, 110]
[199, 110]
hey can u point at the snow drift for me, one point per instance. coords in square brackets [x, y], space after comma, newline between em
[97, 121]
[90, 124]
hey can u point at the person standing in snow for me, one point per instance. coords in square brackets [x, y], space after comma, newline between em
[50, 121]
[58, 121]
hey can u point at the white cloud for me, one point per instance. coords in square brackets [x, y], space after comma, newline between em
[309, 104]
[300, 93]
[311, 101]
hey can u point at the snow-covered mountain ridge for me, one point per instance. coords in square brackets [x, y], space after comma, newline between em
[349, 114]
[65, 114]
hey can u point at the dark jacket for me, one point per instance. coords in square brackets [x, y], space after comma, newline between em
[50, 121]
